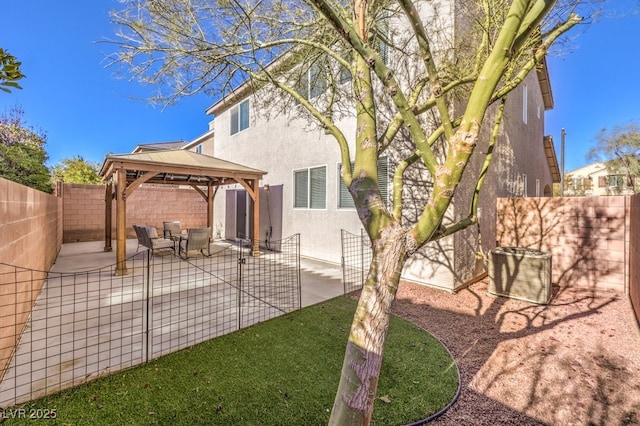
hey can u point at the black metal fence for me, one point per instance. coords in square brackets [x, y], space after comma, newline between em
[85, 325]
[356, 258]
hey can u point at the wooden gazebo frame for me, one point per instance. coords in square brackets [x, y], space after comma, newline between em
[124, 173]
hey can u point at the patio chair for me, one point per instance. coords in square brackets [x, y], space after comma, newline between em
[148, 237]
[172, 230]
[196, 239]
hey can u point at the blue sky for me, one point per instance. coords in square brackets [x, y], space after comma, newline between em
[71, 94]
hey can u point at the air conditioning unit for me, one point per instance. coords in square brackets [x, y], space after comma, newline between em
[520, 273]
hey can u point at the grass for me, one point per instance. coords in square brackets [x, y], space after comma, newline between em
[281, 372]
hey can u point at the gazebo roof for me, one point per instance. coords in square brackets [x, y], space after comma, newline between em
[176, 167]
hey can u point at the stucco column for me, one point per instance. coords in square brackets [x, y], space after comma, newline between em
[108, 206]
[121, 222]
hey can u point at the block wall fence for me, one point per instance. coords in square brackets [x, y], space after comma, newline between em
[84, 210]
[592, 239]
[30, 240]
[634, 255]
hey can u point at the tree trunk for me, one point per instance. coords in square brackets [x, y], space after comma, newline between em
[363, 357]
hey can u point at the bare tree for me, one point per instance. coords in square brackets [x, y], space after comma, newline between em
[426, 72]
[619, 148]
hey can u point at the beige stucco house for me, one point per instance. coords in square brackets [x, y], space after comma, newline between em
[302, 192]
[598, 179]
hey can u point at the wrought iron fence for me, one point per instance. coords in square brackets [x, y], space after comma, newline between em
[60, 330]
[356, 258]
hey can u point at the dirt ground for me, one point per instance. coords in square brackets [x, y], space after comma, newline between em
[575, 361]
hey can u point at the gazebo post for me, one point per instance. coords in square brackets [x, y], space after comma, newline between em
[108, 206]
[210, 194]
[255, 250]
[121, 222]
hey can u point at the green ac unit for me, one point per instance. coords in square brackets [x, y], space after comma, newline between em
[520, 273]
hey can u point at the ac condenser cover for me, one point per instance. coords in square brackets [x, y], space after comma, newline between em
[520, 273]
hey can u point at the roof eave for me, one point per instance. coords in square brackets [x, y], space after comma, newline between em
[545, 84]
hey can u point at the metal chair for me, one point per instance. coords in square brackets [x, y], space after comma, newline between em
[196, 239]
[148, 237]
[172, 230]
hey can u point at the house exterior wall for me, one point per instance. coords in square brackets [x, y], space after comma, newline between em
[30, 239]
[84, 210]
[282, 145]
[519, 152]
[590, 238]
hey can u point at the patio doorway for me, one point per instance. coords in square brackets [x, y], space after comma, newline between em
[239, 215]
[237, 220]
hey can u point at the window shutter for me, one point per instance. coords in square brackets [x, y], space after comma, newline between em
[345, 200]
[318, 199]
[301, 189]
[244, 115]
[234, 120]
[383, 179]
[602, 181]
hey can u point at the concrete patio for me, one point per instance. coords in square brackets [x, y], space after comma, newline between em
[80, 329]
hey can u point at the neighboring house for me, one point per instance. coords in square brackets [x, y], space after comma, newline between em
[599, 179]
[203, 144]
[302, 192]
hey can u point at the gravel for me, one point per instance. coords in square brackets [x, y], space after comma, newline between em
[575, 361]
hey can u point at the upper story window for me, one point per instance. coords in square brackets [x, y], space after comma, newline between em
[240, 117]
[313, 82]
[310, 188]
[199, 149]
[345, 200]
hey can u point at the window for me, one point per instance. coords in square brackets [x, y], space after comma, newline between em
[310, 188]
[524, 186]
[537, 187]
[383, 31]
[615, 181]
[313, 83]
[199, 149]
[524, 103]
[345, 200]
[240, 117]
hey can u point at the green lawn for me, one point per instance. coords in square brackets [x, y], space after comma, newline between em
[281, 372]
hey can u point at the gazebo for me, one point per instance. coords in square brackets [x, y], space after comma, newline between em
[123, 173]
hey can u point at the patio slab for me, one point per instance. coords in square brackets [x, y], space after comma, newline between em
[85, 324]
[319, 280]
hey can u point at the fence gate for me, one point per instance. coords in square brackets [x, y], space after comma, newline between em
[356, 258]
[73, 327]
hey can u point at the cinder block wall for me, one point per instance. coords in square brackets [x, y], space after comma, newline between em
[588, 237]
[84, 210]
[30, 238]
[30, 226]
[634, 254]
